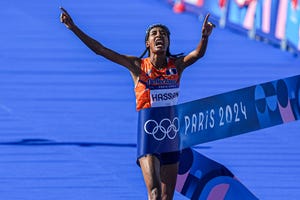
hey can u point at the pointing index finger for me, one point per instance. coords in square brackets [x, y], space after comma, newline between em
[206, 18]
[63, 10]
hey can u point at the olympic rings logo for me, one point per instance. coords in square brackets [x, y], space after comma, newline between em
[166, 128]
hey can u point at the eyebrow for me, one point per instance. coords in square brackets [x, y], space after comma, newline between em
[160, 30]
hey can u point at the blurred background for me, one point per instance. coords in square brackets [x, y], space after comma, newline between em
[68, 118]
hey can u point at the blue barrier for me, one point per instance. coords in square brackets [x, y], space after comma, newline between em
[241, 17]
[293, 25]
[274, 21]
[266, 19]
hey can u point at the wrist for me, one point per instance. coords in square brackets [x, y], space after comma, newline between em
[204, 37]
[73, 27]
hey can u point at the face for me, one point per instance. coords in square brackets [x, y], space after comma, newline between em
[158, 40]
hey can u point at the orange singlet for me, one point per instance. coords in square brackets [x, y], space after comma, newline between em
[157, 88]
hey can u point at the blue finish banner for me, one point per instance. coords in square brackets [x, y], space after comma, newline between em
[173, 128]
[202, 178]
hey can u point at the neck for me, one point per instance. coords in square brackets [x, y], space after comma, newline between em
[158, 61]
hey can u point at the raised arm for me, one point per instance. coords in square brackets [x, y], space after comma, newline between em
[130, 62]
[200, 50]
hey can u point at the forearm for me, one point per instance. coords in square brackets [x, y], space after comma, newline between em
[200, 50]
[94, 45]
[107, 53]
[91, 43]
[202, 46]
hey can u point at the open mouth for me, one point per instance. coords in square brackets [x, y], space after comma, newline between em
[159, 43]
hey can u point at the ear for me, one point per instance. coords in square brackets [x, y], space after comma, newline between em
[147, 44]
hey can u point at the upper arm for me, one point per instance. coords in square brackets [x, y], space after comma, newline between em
[132, 63]
[184, 61]
[193, 56]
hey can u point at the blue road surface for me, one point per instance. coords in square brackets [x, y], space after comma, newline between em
[68, 119]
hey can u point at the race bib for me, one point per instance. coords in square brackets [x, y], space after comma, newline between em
[164, 97]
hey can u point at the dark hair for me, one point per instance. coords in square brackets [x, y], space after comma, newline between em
[168, 34]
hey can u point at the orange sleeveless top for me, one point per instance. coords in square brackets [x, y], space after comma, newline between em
[157, 88]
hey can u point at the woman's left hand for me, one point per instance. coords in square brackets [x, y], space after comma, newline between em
[207, 27]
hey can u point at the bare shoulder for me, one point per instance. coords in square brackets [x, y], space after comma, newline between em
[179, 63]
[134, 65]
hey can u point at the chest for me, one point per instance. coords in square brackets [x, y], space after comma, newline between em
[160, 79]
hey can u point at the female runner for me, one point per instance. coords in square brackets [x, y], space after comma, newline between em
[156, 79]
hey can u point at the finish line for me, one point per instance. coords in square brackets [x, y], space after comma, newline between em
[173, 128]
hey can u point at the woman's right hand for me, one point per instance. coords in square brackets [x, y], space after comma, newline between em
[66, 19]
